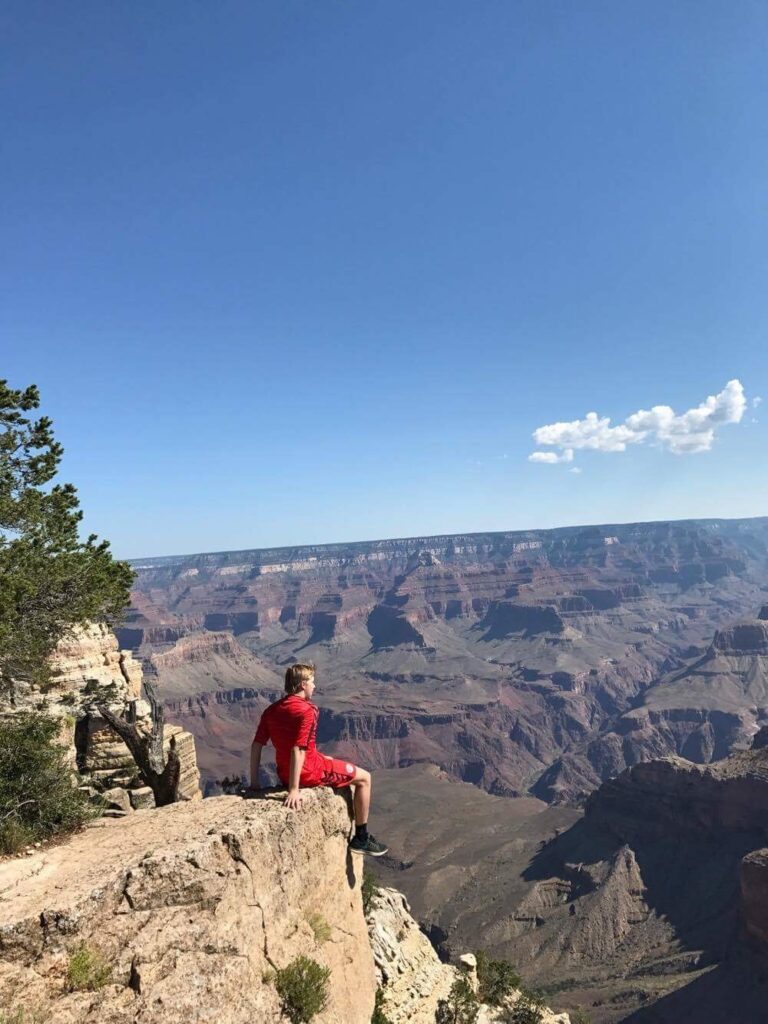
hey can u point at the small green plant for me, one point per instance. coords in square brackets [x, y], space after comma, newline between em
[37, 798]
[527, 1010]
[368, 889]
[461, 1006]
[303, 989]
[320, 927]
[87, 970]
[580, 1016]
[497, 979]
[379, 1017]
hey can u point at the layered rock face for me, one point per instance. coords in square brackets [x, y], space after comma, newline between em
[753, 880]
[491, 655]
[89, 670]
[701, 712]
[193, 907]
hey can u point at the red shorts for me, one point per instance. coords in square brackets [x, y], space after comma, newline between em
[336, 774]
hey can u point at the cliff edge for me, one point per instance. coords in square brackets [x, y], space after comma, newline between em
[192, 907]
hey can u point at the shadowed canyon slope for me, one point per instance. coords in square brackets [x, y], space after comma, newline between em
[652, 908]
[523, 662]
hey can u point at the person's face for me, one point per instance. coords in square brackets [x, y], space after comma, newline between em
[309, 688]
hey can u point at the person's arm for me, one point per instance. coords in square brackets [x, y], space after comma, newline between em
[256, 749]
[260, 740]
[293, 800]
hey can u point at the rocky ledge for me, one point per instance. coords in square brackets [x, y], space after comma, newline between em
[192, 907]
[411, 976]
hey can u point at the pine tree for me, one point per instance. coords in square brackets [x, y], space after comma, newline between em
[461, 1006]
[50, 580]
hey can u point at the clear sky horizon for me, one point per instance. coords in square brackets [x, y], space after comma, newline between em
[304, 272]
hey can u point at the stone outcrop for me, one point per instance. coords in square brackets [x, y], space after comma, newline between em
[88, 670]
[672, 795]
[412, 977]
[193, 907]
[743, 638]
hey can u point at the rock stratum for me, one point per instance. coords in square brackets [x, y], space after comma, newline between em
[412, 978]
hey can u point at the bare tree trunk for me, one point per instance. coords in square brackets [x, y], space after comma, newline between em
[147, 750]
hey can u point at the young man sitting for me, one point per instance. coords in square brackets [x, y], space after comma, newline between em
[291, 724]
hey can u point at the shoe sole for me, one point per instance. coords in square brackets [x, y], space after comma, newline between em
[369, 853]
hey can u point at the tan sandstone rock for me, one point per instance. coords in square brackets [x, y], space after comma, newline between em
[193, 906]
[89, 670]
[409, 971]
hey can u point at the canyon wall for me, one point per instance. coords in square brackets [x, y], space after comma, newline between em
[522, 662]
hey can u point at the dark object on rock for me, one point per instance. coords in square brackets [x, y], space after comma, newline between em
[147, 750]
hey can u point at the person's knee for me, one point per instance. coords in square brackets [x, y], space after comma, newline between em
[362, 777]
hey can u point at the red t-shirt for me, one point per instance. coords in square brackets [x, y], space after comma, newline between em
[292, 722]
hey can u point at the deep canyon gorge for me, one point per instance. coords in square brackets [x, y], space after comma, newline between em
[493, 681]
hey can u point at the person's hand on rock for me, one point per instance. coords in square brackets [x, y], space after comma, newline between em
[294, 799]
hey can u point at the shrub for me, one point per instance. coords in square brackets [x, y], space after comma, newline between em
[37, 795]
[580, 1016]
[461, 1006]
[527, 1010]
[379, 1017]
[369, 889]
[87, 971]
[320, 927]
[497, 979]
[303, 989]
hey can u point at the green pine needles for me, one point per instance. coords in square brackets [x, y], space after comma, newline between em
[50, 580]
[461, 1006]
[497, 979]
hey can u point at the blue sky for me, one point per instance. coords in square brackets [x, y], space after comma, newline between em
[294, 272]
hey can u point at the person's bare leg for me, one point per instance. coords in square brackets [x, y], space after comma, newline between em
[362, 799]
[362, 841]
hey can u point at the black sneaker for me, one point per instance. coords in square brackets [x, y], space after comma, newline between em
[370, 846]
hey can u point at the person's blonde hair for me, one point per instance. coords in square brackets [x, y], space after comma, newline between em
[296, 675]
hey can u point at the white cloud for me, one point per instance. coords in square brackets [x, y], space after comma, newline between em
[575, 469]
[551, 457]
[685, 434]
[756, 401]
